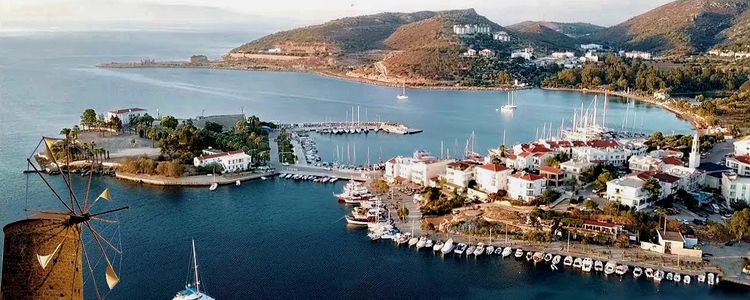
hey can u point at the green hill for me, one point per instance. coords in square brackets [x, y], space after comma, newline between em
[573, 30]
[545, 34]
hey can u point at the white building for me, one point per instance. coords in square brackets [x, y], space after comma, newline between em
[639, 163]
[628, 191]
[460, 173]
[525, 186]
[740, 164]
[563, 55]
[735, 187]
[232, 161]
[127, 114]
[525, 53]
[486, 53]
[470, 53]
[501, 36]
[574, 168]
[419, 169]
[589, 57]
[742, 146]
[491, 178]
[638, 54]
[588, 47]
[471, 29]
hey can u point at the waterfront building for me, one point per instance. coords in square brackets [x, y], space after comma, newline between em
[742, 146]
[459, 173]
[601, 227]
[526, 186]
[740, 164]
[421, 168]
[491, 178]
[501, 36]
[628, 191]
[127, 114]
[587, 47]
[735, 187]
[555, 177]
[232, 161]
[674, 242]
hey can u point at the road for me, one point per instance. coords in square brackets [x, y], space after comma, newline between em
[719, 151]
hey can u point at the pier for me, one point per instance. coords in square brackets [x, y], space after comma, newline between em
[352, 127]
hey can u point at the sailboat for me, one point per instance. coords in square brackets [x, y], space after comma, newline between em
[193, 292]
[403, 95]
[511, 106]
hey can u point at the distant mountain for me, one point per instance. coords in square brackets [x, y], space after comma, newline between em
[574, 30]
[549, 34]
[678, 28]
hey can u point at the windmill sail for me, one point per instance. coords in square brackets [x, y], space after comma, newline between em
[104, 195]
[111, 277]
[45, 259]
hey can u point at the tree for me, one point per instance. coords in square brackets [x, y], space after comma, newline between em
[215, 127]
[88, 118]
[402, 213]
[548, 197]
[652, 187]
[738, 205]
[590, 205]
[65, 132]
[601, 181]
[169, 122]
[739, 224]
[379, 186]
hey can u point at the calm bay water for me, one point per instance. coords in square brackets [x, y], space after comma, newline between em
[279, 239]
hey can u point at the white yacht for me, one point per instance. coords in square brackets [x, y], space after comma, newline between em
[556, 259]
[598, 266]
[479, 250]
[677, 277]
[621, 269]
[658, 275]
[507, 252]
[587, 264]
[403, 95]
[686, 279]
[438, 246]
[460, 248]
[609, 268]
[648, 272]
[577, 262]
[568, 261]
[511, 106]
[447, 247]
[519, 253]
[637, 272]
[489, 250]
[702, 278]
[213, 186]
[193, 291]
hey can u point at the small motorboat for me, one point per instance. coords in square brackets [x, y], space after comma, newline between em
[637, 272]
[648, 272]
[428, 244]
[621, 269]
[413, 241]
[537, 257]
[702, 278]
[261, 178]
[658, 275]
[598, 266]
[479, 250]
[374, 236]
[711, 278]
[556, 259]
[421, 243]
[489, 250]
[577, 262]
[609, 268]
[470, 250]
[529, 256]
[213, 186]
[237, 183]
[548, 257]
[507, 251]
[447, 247]
[568, 261]
[519, 253]
[438, 246]
[677, 277]
[499, 251]
[686, 279]
[669, 276]
[460, 248]
[587, 264]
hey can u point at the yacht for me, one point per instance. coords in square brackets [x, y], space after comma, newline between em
[568, 261]
[428, 244]
[598, 266]
[637, 272]
[511, 106]
[193, 291]
[499, 251]
[711, 278]
[519, 253]
[621, 269]
[529, 256]
[489, 250]
[447, 247]
[403, 95]
[686, 279]
[577, 262]
[507, 252]
[648, 272]
[556, 259]
[213, 186]
[421, 243]
[677, 277]
[658, 275]
[479, 250]
[702, 278]
[460, 248]
[438, 246]
[609, 268]
[669, 276]
[537, 257]
[470, 250]
[587, 264]
[413, 241]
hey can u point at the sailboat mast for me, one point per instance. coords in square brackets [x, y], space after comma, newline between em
[596, 103]
[195, 268]
[604, 115]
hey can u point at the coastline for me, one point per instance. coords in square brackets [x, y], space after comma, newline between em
[190, 181]
[696, 121]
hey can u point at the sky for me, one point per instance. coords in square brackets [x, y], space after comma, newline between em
[291, 13]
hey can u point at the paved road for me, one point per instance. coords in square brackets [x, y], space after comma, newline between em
[719, 151]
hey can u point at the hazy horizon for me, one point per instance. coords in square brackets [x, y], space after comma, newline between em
[264, 16]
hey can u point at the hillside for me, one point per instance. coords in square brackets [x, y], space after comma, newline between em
[677, 28]
[546, 34]
[738, 35]
[573, 30]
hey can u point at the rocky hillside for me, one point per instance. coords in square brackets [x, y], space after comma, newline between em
[737, 37]
[677, 28]
[547, 34]
[573, 30]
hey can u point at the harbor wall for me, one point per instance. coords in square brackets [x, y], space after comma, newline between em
[23, 275]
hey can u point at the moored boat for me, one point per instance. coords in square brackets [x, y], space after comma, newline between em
[428, 244]
[537, 257]
[447, 247]
[438, 246]
[677, 277]
[460, 248]
[556, 259]
[598, 266]
[609, 267]
[499, 251]
[413, 241]
[470, 250]
[711, 278]
[669, 276]
[568, 261]
[548, 257]
[702, 278]
[479, 250]
[621, 269]
[637, 272]
[507, 251]
[519, 253]
[648, 272]
[587, 264]
[686, 279]
[577, 262]
[489, 250]
[529, 256]
[658, 275]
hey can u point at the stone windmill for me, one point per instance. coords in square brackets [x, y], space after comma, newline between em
[43, 254]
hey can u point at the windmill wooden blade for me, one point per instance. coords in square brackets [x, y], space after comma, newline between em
[91, 270]
[111, 276]
[98, 237]
[45, 259]
[104, 220]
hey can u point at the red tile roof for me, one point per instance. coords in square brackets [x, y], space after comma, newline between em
[527, 176]
[220, 154]
[672, 161]
[604, 144]
[745, 159]
[551, 170]
[392, 160]
[125, 110]
[494, 167]
[461, 165]
[660, 176]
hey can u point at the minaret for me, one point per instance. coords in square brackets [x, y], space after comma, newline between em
[695, 157]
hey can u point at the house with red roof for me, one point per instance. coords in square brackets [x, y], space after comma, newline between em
[555, 177]
[740, 164]
[491, 178]
[526, 186]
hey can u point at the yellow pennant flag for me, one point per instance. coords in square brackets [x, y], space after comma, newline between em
[48, 142]
[105, 195]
